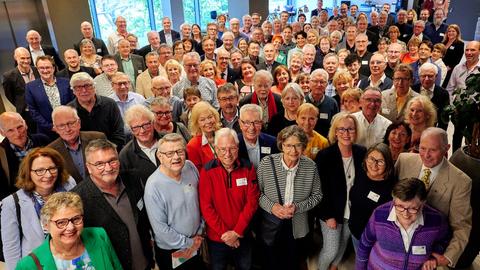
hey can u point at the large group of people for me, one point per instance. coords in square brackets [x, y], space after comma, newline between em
[236, 146]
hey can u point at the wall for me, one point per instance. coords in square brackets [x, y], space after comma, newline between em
[259, 6]
[465, 14]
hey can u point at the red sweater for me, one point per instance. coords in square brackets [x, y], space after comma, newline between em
[199, 154]
[228, 201]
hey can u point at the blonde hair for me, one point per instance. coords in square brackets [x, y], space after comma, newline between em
[58, 201]
[429, 110]
[336, 121]
[199, 108]
[306, 108]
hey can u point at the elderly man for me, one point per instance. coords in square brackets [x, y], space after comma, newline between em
[161, 87]
[36, 49]
[165, 53]
[424, 56]
[87, 33]
[438, 95]
[371, 124]
[228, 200]
[362, 28]
[144, 80]
[46, 93]
[254, 144]
[123, 96]
[208, 49]
[449, 188]
[361, 43]
[235, 28]
[14, 147]
[227, 96]
[406, 29]
[326, 105]
[120, 33]
[72, 142]
[115, 203]
[381, 29]
[436, 31]
[377, 77]
[73, 65]
[97, 113]
[171, 200]
[247, 24]
[394, 100]
[138, 159]
[309, 52]
[269, 56]
[418, 28]
[256, 19]
[207, 87]
[394, 51]
[103, 82]
[319, 8]
[168, 35]
[131, 64]
[185, 31]
[228, 39]
[330, 64]
[225, 71]
[153, 44]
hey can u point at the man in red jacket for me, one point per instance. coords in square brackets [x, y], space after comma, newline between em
[228, 200]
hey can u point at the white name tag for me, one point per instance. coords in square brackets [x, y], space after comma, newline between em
[265, 150]
[373, 196]
[385, 110]
[99, 50]
[442, 34]
[452, 47]
[241, 182]
[323, 116]
[419, 250]
[188, 188]
[369, 43]
[140, 71]
[405, 35]
[315, 150]
[140, 204]
[364, 62]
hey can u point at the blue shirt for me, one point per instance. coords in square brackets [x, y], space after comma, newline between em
[77, 157]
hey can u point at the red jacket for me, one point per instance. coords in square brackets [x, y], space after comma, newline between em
[228, 201]
[199, 154]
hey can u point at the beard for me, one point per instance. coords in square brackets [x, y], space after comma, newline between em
[438, 22]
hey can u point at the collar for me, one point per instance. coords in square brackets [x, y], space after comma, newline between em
[46, 84]
[33, 50]
[204, 140]
[382, 79]
[126, 59]
[30, 71]
[408, 93]
[252, 146]
[79, 142]
[28, 145]
[434, 171]
[117, 99]
[392, 216]
[285, 167]
[313, 100]
[143, 147]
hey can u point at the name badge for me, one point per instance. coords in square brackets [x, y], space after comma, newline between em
[99, 50]
[419, 250]
[241, 182]
[188, 188]
[405, 35]
[265, 150]
[323, 116]
[385, 110]
[315, 150]
[452, 47]
[373, 196]
[364, 62]
[369, 43]
[140, 71]
[442, 34]
[140, 204]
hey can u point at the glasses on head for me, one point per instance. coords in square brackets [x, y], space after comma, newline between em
[224, 150]
[229, 98]
[170, 154]
[410, 210]
[160, 113]
[70, 124]
[345, 130]
[258, 123]
[297, 146]
[43, 171]
[379, 162]
[101, 164]
[63, 222]
[87, 86]
[144, 126]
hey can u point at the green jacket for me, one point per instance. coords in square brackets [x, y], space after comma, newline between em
[96, 242]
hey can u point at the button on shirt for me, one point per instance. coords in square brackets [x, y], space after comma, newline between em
[77, 157]
[253, 153]
[407, 234]
[459, 75]
[36, 53]
[433, 172]
[128, 68]
[427, 92]
[53, 94]
[289, 186]
[371, 133]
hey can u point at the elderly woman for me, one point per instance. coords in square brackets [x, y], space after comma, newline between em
[350, 100]
[420, 114]
[371, 189]
[342, 54]
[244, 85]
[335, 38]
[178, 51]
[382, 245]
[89, 56]
[394, 34]
[289, 187]
[313, 37]
[339, 165]
[295, 65]
[412, 54]
[69, 245]
[303, 79]
[292, 98]
[307, 116]
[163, 122]
[204, 121]
[281, 77]
[208, 69]
[42, 173]
[342, 81]
[397, 137]
[174, 71]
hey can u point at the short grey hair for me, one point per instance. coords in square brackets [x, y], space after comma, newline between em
[264, 75]
[336, 33]
[80, 77]
[63, 109]
[136, 112]
[224, 132]
[292, 131]
[251, 108]
[419, 22]
[246, 16]
[320, 71]
[86, 41]
[308, 46]
[184, 24]
[428, 66]
[439, 133]
[4, 117]
[150, 33]
[99, 144]
[192, 55]
[171, 137]
[160, 101]
[295, 89]
[228, 33]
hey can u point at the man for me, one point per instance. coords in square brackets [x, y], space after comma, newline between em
[326, 105]
[72, 142]
[253, 51]
[120, 33]
[161, 87]
[235, 28]
[288, 44]
[352, 61]
[436, 31]
[449, 188]
[133, 40]
[381, 30]
[309, 52]
[362, 28]
[226, 73]
[361, 43]
[349, 41]
[123, 97]
[229, 195]
[165, 53]
[247, 24]
[460, 73]
[153, 44]
[97, 113]
[269, 56]
[14, 81]
[284, 16]
[171, 200]
[191, 64]
[138, 159]
[73, 65]
[144, 80]
[424, 15]
[168, 35]
[394, 52]
[256, 19]
[46, 93]
[438, 95]
[103, 82]
[227, 96]
[418, 28]
[371, 125]
[236, 57]
[330, 64]
[227, 39]
[353, 12]
[131, 64]
[319, 8]
[185, 31]
[406, 29]
[254, 144]
[394, 100]
[373, 19]
[257, 36]
[14, 147]
[390, 18]
[424, 54]
[36, 49]
[208, 48]
[87, 32]
[377, 77]
[115, 203]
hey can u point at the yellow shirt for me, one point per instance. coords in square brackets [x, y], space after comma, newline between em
[315, 144]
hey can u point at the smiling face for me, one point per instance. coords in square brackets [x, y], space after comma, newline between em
[406, 218]
[416, 114]
[172, 165]
[67, 126]
[227, 150]
[371, 102]
[346, 138]
[15, 130]
[68, 235]
[207, 122]
[283, 77]
[251, 125]
[377, 64]
[247, 70]
[208, 71]
[431, 150]
[228, 101]
[398, 138]
[46, 69]
[295, 64]
[318, 84]
[142, 129]
[375, 162]
[424, 52]
[34, 39]
[291, 101]
[72, 59]
[22, 56]
[308, 56]
[262, 87]
[292, 150]
[44, 183]
[108, 175]
[307, 120]
[163, 114]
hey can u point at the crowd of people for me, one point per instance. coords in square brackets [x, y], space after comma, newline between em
[237, 144]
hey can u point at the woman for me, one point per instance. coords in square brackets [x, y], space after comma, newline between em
[42, 173]
[307, 116]
[313, 37]
[285, 247]
[209, 70]
[339, 165]
[420, 114]
[243, 46]
[323, 47]
[163, 122]
[244, 85]
[382, 45]
[393, 34]
[455, 47]
[371, 189]
[277, 27]
[315, 21]
[68, 244]
[280, 55]
[89, 57]
[438, 53]
[382, 245]
[292, 98]
[341, 81]
[295, 64]
[411, 55]
[335, 38]
[342, 54]
[411, 16]
[303, 79]
[397, 137]
[350, 100]
[197, 33]
[178, 51]
[307, 27]
[204, 121]
[281, 77]
[174, 71]
[188, 45]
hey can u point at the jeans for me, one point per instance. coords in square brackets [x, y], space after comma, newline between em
[221, 254]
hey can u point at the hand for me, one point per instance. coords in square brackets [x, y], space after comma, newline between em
[290, 209]
[331, 223]
[441, 260]
[197, 241]
[279, 211]
[230, 238]
[430, 264]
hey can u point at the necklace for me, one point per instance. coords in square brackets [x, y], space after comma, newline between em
[347, 164]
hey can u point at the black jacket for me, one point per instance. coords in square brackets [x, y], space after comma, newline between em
[100, 47]
[440, 98]
[65, 73]
[134, 163]
[49, 50]
[14, 87]
[175, 36]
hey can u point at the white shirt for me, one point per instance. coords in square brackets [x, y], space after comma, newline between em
[371, 133]
[35, 54]
[349, 169]
[253, 152]
[433, 172]
[149, 151]
[407, 234]
[289, 186]
[459, 75]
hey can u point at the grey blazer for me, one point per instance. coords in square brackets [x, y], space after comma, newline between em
[138, 64]
[389, 105]
[307, 189]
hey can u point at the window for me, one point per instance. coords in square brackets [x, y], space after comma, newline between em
[198, 11]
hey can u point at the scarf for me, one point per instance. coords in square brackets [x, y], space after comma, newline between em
[272, 107]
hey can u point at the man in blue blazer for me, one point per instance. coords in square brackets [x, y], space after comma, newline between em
[46, 93]
[168, 35]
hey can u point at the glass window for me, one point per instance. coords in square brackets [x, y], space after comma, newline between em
[203, 8]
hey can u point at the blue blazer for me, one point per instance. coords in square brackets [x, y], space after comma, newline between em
[39, 105]
[264, 140]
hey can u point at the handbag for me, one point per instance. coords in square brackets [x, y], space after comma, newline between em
[35, 259]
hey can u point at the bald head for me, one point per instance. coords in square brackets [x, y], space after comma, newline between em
[161, 86]
[14, 128]
[23, 59]
[34, 39]
[86, 29]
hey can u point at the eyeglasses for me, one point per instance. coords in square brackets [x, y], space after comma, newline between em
[63, 222]
[160, 113]
[318, 82]
[126, 83]
[401, 79]
[43, 171]
[297, 146]
[373, 100]
[87, 86]
[170, 154]
[70, 124]
[402, 209]
[224, 150]
[230, 98]
[345, 130]
[101, 164]
[378, 162]
[252, 123]
[144, 126]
